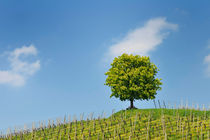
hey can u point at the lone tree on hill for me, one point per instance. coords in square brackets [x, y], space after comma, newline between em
[132, 77]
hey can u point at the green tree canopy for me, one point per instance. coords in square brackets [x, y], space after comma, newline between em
[132, 77]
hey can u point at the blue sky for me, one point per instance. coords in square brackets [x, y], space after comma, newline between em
[54, 54]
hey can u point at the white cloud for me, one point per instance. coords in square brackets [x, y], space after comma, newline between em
[208, 44]
[207, 61]
[30, 50]
[8, 77]
[20, 69]
[144, 39]
[20, 66]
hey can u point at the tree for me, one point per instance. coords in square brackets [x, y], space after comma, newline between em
[132, 77]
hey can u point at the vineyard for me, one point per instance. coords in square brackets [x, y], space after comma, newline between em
[134, 124]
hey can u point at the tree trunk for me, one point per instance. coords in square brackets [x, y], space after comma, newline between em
[131, 106]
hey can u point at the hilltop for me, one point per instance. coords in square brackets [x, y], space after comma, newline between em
[126, 124]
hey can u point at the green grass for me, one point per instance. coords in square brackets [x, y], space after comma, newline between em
[134, 124]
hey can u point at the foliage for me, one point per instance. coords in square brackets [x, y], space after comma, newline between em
[132, 77]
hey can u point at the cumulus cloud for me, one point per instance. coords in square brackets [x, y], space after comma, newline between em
[207, 62]
[20, 68]
[144, 39]
[208, 44]
[8, 77]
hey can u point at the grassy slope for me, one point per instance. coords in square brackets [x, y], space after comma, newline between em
[129, 124]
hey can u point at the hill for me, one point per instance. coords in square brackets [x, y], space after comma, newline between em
[124, 125]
